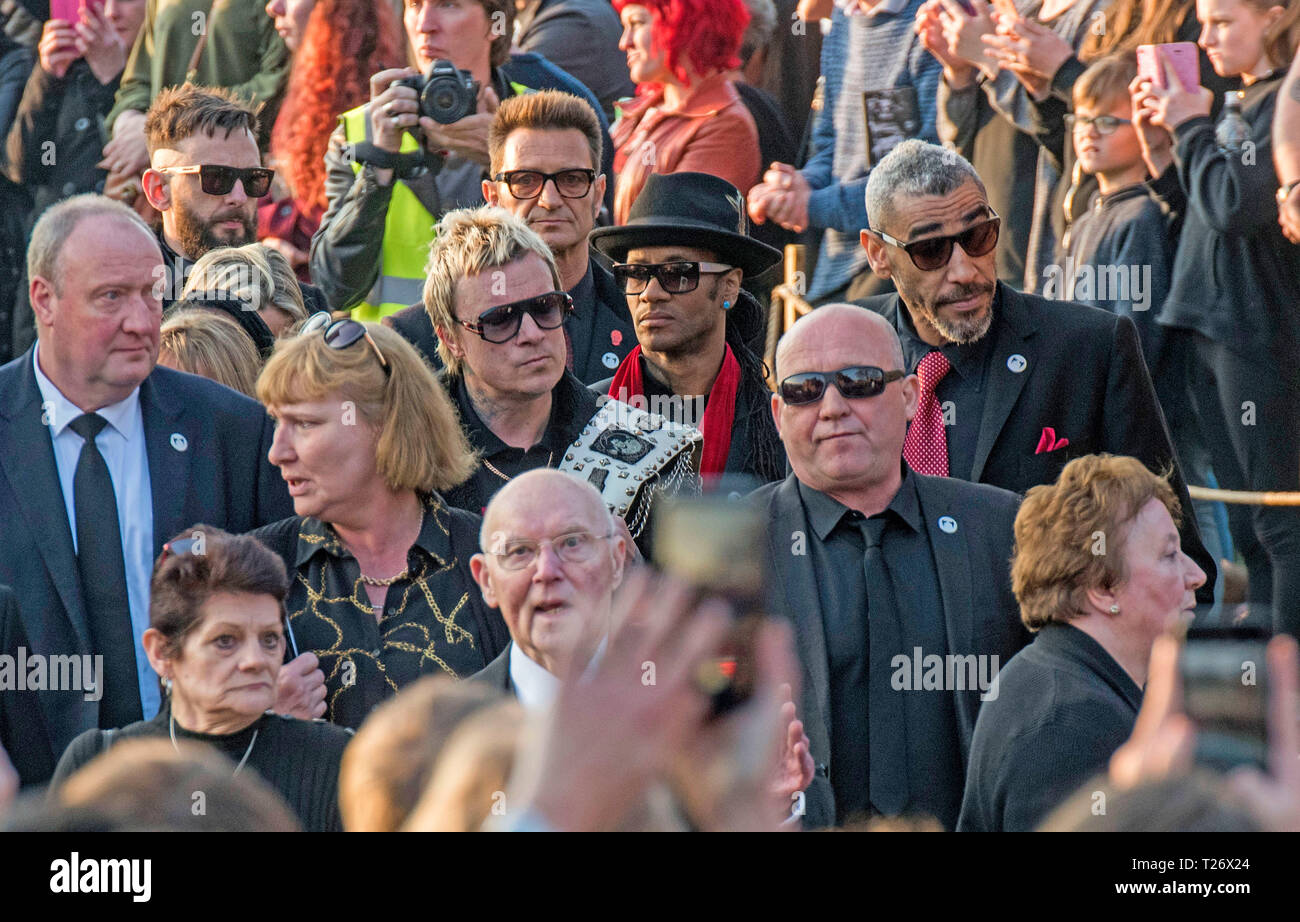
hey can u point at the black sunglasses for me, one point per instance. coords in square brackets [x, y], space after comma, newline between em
[339, 334]
[675, 278]
[501, 323]
[219, 180]
[528, 184]
[853, 382]
[933, 253]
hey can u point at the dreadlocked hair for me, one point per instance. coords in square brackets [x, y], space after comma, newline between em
[745, 324]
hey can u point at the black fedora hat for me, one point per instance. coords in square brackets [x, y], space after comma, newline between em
[689, 209]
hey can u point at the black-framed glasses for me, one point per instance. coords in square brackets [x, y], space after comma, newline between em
[574, 547]
[1105, 124]
[339, 334]
[676, 278]
[219, 180]
[500, 324]
[854, 382]
[526, 184]
[930, 253]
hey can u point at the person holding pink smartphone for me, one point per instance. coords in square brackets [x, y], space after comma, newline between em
[1232, 296]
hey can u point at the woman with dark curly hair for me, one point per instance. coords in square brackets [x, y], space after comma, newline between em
[336, 45]
[688, 116]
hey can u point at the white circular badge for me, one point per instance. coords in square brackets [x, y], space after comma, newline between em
[609, 360]
[179, 442]
[947, 524]
[1016, 363]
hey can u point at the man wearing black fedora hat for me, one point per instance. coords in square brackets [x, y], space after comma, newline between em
[680, 260]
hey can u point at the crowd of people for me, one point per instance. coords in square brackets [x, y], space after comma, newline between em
[360, 355]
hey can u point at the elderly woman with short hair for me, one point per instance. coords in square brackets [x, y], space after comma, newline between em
[217, 640]
[1099, 573]
[366, 439]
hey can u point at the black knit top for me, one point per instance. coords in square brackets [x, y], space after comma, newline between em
[298, 758]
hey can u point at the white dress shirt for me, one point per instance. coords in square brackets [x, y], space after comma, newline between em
[122, 444]
[534, 686]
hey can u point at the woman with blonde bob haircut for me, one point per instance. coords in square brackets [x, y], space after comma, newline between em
[1099, 573]
[367, 440]
[207, 344]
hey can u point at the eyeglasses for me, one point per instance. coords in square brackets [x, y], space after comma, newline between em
[527, 184]
[933, 253]
[676, 278]
[854, 382]
[339, 334]
[501, 323]
[575, 547]
[219, 180]
[1105, 124]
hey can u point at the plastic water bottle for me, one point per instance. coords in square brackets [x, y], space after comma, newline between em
[1232, 131]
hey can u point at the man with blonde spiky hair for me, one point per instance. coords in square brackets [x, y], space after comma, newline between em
[496, 302]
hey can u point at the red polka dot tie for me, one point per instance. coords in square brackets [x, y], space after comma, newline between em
[926, 447]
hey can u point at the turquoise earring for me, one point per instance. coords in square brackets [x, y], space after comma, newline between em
[726, 305]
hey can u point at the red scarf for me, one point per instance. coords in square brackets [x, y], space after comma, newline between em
[719, 414]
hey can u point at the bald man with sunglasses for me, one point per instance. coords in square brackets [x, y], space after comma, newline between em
[1012, 386]
[884, 572]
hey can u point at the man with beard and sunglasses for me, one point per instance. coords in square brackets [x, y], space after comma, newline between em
[205, 178]
[1012, 385]
[890, 572]
[496, 302]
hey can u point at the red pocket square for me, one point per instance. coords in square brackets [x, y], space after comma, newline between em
[1049, 442]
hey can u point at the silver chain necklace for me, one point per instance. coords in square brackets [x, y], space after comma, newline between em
[171, 731]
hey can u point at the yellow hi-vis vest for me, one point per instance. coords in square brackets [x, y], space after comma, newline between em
[408, 231]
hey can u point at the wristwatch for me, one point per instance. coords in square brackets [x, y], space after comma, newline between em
[1284, 192]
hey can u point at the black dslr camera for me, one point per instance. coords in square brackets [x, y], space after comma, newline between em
[447, 94]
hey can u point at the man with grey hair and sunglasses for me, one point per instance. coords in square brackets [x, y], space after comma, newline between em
[1011, 385]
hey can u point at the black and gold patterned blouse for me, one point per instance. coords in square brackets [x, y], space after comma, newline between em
[434, 619]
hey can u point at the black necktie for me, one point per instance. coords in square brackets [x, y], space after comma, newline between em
[886, 731]
[103, 578]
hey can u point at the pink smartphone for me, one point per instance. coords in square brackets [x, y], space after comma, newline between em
[1183, 58]
[66, 10]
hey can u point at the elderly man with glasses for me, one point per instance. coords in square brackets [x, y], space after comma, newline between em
[1012, 386]
[898, 584]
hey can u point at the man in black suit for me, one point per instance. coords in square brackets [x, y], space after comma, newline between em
[546, 154]
[898, 584]
[1013, 386]
[103, 457]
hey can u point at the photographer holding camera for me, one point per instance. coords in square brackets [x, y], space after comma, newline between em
[419, 149]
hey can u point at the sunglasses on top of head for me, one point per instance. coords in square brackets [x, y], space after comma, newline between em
[219, 180]
[854, 382]
[500, 324]
[339, 334]
[931, 253]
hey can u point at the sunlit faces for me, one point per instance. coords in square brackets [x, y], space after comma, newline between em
[228, 663]
[1160, 581]
[553, 608]
[125, 16]
[455, 30]
[1106, 153]
[1232, 34]
[676, 324]
[838, 445]
[100, 319]
[290, 19]
[562, 222]
[524, 367]
[326, 453]
[192, 219]
[954, 303]
[645, 62]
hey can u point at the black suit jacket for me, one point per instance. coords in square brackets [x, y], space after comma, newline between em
[497, 673]
[1083, 376]
[222, 478]
[980, 613]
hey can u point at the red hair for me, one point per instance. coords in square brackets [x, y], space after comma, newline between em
[705, 32]
[344, 43]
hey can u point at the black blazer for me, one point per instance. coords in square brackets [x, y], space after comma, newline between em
[1084, 377]
[973, 567]
[611, 330]
[497, 673]
[222, 478]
